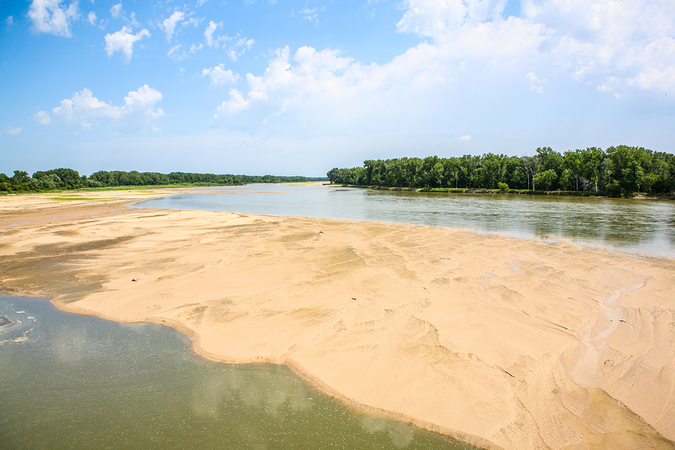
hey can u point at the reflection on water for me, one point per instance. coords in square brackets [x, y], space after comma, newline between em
[646, 226]
[71, 381]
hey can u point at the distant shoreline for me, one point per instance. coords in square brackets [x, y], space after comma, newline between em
[589, 194]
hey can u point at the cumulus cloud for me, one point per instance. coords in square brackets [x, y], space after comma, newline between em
[169, 25]
[219, 76]
[472, 58]
[630, 40]
[9, 21]
[92, 18]
[123, 41]
[465, 138]
[49, 16]
[315, 77]
[83, 109]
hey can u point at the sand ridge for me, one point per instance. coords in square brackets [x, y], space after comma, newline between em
[504, 342]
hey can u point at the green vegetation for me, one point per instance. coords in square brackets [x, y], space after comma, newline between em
[616, 171]
[69, 179]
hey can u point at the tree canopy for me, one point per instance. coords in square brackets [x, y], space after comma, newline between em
[67, 179]
[616, 171]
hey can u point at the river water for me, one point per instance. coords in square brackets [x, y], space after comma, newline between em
[627, 225]
[71, 381]
[79, 382]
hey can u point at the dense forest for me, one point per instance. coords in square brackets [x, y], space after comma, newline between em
[66, 179]
[616, 171]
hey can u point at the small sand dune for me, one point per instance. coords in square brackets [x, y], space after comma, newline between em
[503, 342]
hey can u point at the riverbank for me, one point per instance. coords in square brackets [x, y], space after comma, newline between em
[502, 342]
[636, 195]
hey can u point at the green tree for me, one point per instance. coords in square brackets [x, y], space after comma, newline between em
[626, 165]
[531, 165]
[573, 163]
[19, 181]
[594, 166]
[547, 178]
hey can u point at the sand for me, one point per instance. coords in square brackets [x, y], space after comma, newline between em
[502, 342]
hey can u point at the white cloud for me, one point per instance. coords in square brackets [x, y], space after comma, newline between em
[208, 33]
[239, 48]
[116, 10]
[472, 61]
[92, 18]
[83, 109]
[235, 104]
[432, 18]
[42, 117]
[169, 25]
[133, 20]
[317, 78]
[123, 41]
[235, 50]
[9, 21]
[465, 138]
[592, 41]
[195, 48]
[535, 83]
[175, 54]
[219, 76]
[48, 16]
[13, 130]
[309, 14]
[193, 21]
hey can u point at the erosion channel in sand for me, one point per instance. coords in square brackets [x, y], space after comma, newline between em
[503, 342]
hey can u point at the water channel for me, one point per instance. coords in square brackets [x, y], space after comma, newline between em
[627, 225]
[79, 382]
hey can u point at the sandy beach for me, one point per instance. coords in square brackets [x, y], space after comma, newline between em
[501, 342]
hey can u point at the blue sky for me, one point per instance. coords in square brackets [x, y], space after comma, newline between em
[299, 87]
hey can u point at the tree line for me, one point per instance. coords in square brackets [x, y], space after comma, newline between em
[615, 171]
[68, 179]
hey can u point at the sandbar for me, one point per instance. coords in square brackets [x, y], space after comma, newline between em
[501, 342]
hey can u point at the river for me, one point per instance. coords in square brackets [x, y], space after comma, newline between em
[627, 225]
[80, 382]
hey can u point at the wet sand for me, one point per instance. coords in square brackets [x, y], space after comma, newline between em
[502, 342]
